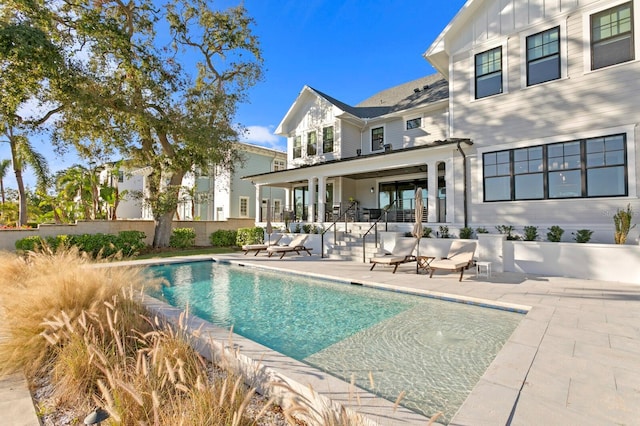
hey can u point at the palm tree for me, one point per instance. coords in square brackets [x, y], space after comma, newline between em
[74, 185]
[4, 167]
[23, 154]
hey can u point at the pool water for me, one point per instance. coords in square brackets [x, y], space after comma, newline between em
[433, 350]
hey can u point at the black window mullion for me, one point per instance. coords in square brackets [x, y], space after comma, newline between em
[545, 172]
[512, 178]
[583, 166]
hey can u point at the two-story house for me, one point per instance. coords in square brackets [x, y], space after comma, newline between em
[532, 119]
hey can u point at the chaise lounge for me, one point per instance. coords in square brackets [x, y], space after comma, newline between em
[260, 247]
[459, 258]
[401, 253]
[296, 244]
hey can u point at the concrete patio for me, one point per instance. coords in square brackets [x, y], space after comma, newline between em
[573, 360]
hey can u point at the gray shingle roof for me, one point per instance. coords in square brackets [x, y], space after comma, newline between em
[405, 96]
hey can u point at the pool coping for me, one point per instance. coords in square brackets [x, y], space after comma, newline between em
[327, 389]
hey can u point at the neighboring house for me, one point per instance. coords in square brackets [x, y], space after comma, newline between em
[215, 194]
[532, 119]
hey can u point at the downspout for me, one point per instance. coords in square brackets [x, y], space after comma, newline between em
[464, 177]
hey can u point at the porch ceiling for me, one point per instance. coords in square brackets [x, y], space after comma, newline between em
[387, 172]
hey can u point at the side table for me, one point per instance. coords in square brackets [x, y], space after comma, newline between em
[483, 269]
[422, 263]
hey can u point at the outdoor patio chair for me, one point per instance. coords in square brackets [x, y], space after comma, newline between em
[460, 257]
[401, 253]
[296, 244]
[260, 247]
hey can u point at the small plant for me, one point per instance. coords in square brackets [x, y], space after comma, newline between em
[622, 222]
[444, 232]
[530, 233]
[182, 238]
[466, 233]
[426, 232]
[306, 228]
[555, 234]
[481, 230]
[508, 229]
[298, 228]
[582, 235]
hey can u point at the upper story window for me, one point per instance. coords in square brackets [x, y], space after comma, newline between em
[612, 36]
[414, 123]
[120, 176]
[279, 165]
[543, 56]
[297, 147]
[377, 138]
[312, 143]
[595, 167]
[327, 139]
[489, 73]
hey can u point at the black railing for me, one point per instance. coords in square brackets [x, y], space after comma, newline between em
[351, 208]
[384, 214]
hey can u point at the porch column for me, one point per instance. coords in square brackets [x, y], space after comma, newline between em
[311, 190]
[432, 192]
[322, 190]
[258, 203]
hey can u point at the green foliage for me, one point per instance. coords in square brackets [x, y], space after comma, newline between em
[444, 232]
[59, 242]
[130, 242]
[306, 228]
[182, 238]
[127, 243]
[582, 235]
[426, 232]
[481, 230]
[530, 233]
[31, 243]
[244, 236]
[508, 230]
[622, 222]
[466, 233]
[225, 237]
[298, 228]
[555, 234]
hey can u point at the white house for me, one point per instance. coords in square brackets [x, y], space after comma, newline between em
[532, 119]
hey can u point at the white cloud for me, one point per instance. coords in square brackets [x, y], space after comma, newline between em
[263, 135]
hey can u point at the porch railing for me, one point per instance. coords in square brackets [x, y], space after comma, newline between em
[343, 215]
[384, 214]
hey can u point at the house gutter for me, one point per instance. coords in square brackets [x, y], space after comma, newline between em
[464, 175]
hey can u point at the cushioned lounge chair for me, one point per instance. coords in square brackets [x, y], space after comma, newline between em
[260, 247]
[401, 253]
[459, 258]
[296, 244]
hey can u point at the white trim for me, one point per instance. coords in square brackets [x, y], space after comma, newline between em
[563, 48]
[240, 199]
[504, 63]
[586, 34]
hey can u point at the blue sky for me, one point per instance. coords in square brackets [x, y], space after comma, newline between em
[347, 49]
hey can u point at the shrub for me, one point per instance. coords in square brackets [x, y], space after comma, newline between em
[481, 230]
[530, 233]
[95, 245]
[508, 229]
[297, 229]
[466, 233]
[306, 228]
[444, 232]
[29, 243]
[555, 234]
[129, 243]
[182, 238]
[582, 235]
[243, 236]
[426, 232]
[622, 222]
[225, 238]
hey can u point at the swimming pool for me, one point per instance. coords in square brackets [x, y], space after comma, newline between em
[435, 351]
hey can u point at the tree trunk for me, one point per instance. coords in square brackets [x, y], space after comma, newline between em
[163, 230]
[22, 213]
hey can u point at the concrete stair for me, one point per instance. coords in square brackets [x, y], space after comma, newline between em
[348, 245]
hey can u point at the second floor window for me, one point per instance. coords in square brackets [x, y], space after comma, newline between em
[414, 123]
[244, 206]
[543, 56]
[312, 143]
[279, 165]
[297, 147]
[327, 139]
[489, 73]
[612, 36]
[377, 139]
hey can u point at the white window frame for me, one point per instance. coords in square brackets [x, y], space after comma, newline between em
[240, 200]
[406, 123]
[586, 31]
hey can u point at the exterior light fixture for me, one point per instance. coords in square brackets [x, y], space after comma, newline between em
[372, 190]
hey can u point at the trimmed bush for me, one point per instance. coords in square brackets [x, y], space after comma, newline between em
[530, 233]
[466, 233]
[182, 238]
[426, 232]
[555, 234]
[224, 238]
[29, 243]
[582, 235]
[130, 242]
[243, 236]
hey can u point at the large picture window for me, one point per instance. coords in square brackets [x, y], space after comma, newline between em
[595, 167]
[489, 73]
[327, 139]
[612, 36]
[377, 139]
[543, 56]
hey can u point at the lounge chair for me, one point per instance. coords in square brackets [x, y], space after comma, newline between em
[260, 247]
[401, 253]
[296, 244]
[459, 258]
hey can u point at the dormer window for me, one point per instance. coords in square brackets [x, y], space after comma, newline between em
[612, 36]
[312, 143]
[414, 123]
[327, 139]
[377, 138]
[297, 147]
